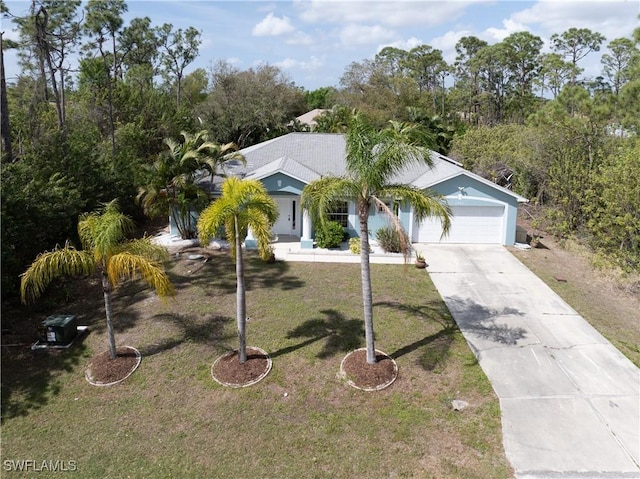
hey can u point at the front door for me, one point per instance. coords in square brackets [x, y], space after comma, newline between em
[287, 222]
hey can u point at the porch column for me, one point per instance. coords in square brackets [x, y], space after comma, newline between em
[250, 241]
[306, 242]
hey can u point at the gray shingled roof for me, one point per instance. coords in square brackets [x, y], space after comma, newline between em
[322, 153]
[309, 156]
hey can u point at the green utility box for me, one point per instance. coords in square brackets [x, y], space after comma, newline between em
[58, 329]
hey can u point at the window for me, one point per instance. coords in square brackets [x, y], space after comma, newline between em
[340, 214]
[392, 205]
[381, 208]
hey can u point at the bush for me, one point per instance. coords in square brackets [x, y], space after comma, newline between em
[388, 239]
[355, 246]
[330, 236]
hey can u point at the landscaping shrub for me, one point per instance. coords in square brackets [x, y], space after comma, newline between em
[355, 246]
[388, 239]
[330, 236]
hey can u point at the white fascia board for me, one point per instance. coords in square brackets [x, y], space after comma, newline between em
[279, 166]
[520, 199]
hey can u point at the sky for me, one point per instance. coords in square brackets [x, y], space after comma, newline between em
[314, 41]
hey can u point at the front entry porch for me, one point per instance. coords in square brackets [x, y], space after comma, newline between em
[288, 228]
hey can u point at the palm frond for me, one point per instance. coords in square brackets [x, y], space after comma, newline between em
[47, 266]
[216, 156]
[246, 201]
[376, 156]
[153, 200]
[212, 218]
[125, 266]
[394, 222]
[145, 248]
[101, 232]
[262, 213]
[425, 203]
[322, 196]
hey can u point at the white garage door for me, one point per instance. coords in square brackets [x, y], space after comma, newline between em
[469, 224]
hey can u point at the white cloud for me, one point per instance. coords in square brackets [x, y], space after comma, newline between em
[407, 44]
[314, 63]
[499, 34]
[390, 13]
[447, 43]
[267, 7]
[300, 38]
[365, 35]
[611, 18]
[273, 26]
[208, 43]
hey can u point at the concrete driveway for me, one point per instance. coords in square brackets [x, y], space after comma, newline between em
[570, 401]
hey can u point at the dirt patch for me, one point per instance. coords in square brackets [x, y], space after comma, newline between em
[104, 370]
[369, 376]
[229, 370]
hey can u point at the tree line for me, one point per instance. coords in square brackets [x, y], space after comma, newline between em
[74, 138]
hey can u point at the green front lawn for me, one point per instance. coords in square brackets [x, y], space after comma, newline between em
[169, 419]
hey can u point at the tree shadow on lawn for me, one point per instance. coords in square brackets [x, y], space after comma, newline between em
[30, 378]
[470, 318]
[216, 268]
[341, 334]
[433, 347]
[209, 330]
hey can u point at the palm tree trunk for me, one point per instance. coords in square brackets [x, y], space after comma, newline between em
[106, 290]
[241, 304]
[365, 270]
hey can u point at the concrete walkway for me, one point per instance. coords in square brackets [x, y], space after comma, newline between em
[570, 401]
[288, 249]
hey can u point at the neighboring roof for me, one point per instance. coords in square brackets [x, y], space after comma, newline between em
[309, 156]
[309, 117]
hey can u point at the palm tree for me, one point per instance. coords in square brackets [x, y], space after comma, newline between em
[373, 158]
[102, 234]
[335, 120]
[173, 187]
[243, 204]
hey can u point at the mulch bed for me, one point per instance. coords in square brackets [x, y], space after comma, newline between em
[369, 376]
[106, 370]
[228, 369]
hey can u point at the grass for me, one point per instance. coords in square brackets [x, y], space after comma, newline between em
[169, 419]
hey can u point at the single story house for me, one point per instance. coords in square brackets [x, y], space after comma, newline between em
[483, 212]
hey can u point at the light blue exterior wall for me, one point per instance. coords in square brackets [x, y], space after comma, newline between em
[287, 185]
[476, 193]
[377, 220]
[173, 228]
[279, 184]
[473, 193]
